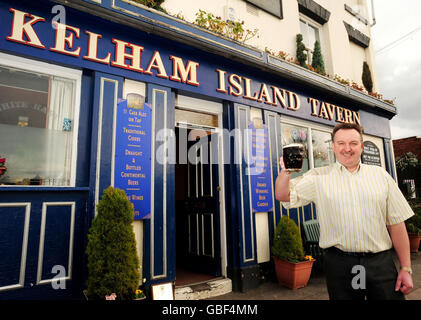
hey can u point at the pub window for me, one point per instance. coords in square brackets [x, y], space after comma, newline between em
[322, 148]
[316, 142]
[292, 134]
[37, 126]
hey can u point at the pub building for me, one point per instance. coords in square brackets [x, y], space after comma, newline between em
[191, 125]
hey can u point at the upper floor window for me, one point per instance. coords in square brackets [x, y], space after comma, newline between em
[38, 123]
[311, 34]
[273, 7]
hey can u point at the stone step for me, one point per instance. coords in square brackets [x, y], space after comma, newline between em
[205, 290]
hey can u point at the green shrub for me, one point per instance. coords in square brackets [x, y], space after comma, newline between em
[366, 77]
[112, 257]
[317, 62]
[301, 51]
[411, 228]
[287, 243]
[416, 206]
[154, 4]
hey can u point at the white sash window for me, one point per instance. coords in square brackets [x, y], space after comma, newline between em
[39, 106]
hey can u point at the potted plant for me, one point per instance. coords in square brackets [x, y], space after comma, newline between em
[113, 263]
[140, 295]
[293, 269]
[301, 51]
[414, 235]
[3, 168]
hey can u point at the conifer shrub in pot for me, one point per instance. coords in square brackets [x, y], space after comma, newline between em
[292, 268]
[113, 263]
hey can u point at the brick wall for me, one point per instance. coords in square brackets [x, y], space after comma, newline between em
[411, 144]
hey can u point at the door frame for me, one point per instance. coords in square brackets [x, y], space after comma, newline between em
[214, 108]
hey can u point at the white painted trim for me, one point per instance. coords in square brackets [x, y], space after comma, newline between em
[198, 105]
[114, 134]
[305, 123]
[55, 71]
[215, 108]
[203, 236]
[310, 155]
[211, 167]
[27, 206]
[164, 191]
[245, 138]
[197, 172]
[197, 235]
[99, 139]
[271, 117]
[72, 204]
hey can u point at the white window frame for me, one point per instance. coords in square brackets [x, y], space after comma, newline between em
[319, 27]
[320, 127]
[50, 69]
[309, 126]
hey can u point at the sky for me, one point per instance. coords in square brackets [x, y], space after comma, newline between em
[396, 39]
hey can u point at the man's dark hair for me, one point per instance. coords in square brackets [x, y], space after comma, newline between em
[347, 126]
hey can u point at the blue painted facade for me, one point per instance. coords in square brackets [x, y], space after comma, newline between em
[102, 86]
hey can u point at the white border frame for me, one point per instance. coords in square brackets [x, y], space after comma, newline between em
[245, 137]
[214, 108]
[324, 46]
[27, 206]
[72, 205]
[55, 71]
[99, 136]
[164, 187]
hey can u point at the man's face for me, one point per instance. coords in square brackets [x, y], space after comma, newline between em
[347, 146]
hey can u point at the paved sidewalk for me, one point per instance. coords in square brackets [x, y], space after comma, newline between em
[315, 289]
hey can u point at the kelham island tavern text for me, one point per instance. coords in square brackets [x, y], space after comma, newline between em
[23, 31]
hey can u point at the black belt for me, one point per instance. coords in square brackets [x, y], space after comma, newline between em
[354, 254]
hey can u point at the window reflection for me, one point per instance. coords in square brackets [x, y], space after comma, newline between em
[296, 134]
[36, 128]
[322, 148]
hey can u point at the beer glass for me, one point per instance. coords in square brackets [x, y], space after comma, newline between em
[293, 155]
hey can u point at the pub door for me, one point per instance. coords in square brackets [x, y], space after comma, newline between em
[197, 203]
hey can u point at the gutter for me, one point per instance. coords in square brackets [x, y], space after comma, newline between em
[372, 11]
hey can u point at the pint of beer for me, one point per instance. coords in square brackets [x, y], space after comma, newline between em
[293, 155]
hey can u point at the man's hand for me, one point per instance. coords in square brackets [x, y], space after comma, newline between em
[282, 184]
[404, 282]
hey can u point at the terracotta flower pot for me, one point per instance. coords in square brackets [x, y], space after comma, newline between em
[293, 275]
[414, 241]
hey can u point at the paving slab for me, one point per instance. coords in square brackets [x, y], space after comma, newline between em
[315, 289]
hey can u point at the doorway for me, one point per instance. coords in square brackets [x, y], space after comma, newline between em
[197, 191]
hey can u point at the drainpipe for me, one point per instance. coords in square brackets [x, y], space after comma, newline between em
[372, 11]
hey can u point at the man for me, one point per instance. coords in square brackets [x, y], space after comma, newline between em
[357, 205]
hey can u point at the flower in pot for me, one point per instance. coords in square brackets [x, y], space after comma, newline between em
[3, 168]
[140, 295]
[293, 269]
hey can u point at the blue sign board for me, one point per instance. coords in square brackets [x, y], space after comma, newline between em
[259, 169]
[132, 170]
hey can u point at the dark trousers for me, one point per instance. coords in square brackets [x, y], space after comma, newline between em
[360, 277]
